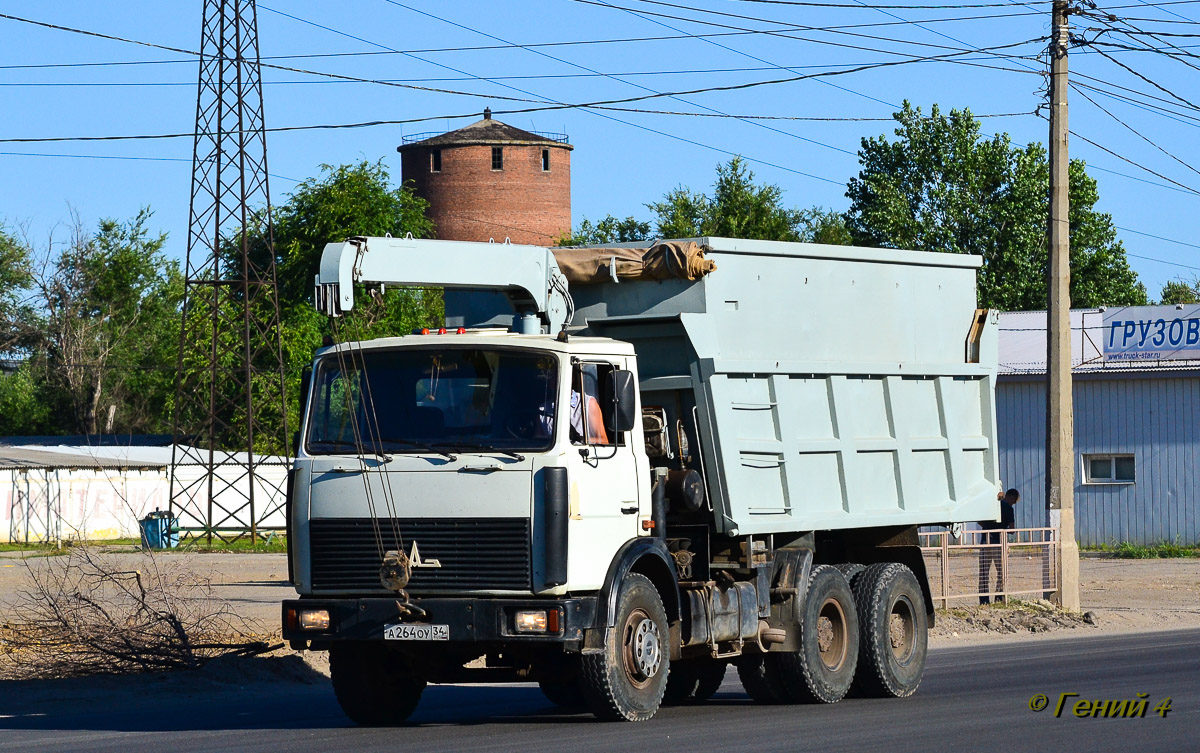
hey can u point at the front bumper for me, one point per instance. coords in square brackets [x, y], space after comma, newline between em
[470, 620]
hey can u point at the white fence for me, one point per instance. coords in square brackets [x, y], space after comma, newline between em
[39, 504]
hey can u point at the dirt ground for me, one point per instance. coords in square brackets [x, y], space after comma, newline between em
[1122, 596]
[1117, 596]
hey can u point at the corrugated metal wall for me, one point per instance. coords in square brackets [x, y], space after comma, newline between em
[1152, 416]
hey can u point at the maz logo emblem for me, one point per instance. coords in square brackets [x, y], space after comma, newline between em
[414, 558]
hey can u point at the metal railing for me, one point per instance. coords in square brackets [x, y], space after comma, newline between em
[991, 564]
[412, 138]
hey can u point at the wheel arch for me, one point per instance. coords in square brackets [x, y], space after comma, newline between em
[649, 557]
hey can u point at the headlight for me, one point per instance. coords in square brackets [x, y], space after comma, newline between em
[314, 619]
[531, 621]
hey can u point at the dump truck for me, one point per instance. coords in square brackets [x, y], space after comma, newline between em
[615, 472]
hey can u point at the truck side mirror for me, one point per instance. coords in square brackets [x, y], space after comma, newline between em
[622, 417]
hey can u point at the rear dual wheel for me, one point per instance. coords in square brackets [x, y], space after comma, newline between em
[823, 669]
[891, 611]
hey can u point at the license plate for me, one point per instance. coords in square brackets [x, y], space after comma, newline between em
[412, 632]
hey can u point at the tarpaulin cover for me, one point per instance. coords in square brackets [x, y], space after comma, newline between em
[682, 260]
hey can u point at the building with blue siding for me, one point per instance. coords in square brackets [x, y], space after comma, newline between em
[1137, 437]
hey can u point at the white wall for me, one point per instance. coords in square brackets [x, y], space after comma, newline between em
[108, 503]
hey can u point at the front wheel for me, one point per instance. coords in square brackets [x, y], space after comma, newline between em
[374, 685]
[627, 680]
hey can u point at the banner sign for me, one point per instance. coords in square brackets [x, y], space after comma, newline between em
[1152, 333]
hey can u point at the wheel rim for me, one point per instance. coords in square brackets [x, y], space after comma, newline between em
[832, 639]
[642, 645]
[902, 630]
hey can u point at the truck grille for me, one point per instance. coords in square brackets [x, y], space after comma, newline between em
[476, 554]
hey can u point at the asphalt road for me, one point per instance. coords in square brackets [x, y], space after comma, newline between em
[974, 698]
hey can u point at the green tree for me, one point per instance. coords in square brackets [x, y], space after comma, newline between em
[1180, 291]
[608, 230]
[24, 409]
[344, 201]
[103, 343]
[820, 225]
[737, 208]
[942, 186]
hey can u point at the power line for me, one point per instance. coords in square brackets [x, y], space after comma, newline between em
[858, 6]
[898, 22]
[120, 157]
[372, 53]
[1179, 117]
[610, 117]
[780, 32]
[1173, 13]
[560, 105]
[1105, 149]
[1160, 238]
[1133, 130]
[645, 16]
[535, 76]
[1093, 166]
[1103, 85]
[755, 123]
[799, 117]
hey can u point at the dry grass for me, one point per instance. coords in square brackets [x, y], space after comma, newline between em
[85, 614]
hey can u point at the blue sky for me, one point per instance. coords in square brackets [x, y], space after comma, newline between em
[622, 160]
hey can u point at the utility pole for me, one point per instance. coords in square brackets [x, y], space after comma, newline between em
[230, 421]
[1060, 428]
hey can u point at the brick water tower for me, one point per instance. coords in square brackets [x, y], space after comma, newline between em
[491, 181]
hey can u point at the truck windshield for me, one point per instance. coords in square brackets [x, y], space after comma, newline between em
[411, 400]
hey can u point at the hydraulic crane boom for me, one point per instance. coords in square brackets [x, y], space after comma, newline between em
[527, 275]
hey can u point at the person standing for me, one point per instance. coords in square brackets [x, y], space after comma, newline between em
[989, 554]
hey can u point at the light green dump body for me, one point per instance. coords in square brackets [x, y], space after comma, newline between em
[834, 387]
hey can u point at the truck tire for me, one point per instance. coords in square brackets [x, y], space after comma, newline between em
[851, 570]
[693, 681]
[823, 669]
[375, 686]
[758, 679]
[627, 680]
[891, 613]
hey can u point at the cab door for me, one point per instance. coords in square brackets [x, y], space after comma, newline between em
[607, 472]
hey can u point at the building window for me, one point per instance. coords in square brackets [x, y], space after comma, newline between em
[435, 161]
[1108, 469]
[546, 160]
[497, 158]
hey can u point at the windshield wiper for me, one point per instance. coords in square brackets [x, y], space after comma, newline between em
[422, 446]
[488, 448]
[358, 447]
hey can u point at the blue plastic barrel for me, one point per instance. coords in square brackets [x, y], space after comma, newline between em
[159, 531]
